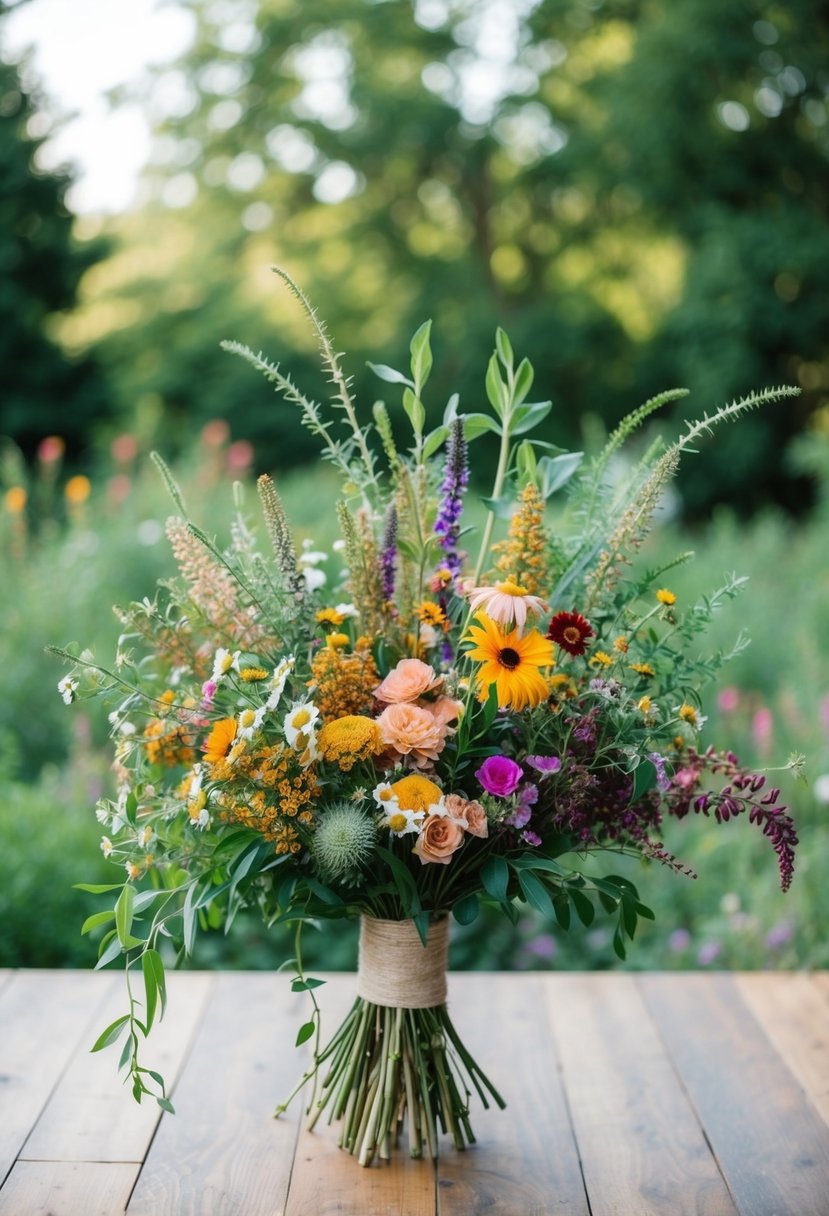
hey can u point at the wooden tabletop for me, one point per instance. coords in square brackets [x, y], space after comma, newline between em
[631, 1094]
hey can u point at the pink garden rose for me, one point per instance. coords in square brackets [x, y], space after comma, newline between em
[440, 838]
[412, 732]
[471, 815]
[409, 680]
[499, 775]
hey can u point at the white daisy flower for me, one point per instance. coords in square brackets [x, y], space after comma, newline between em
[385, 797]
[300, 719]
[306, 743]
[402, 823]
[250, 721]
[223, 662]
[68, 687]
[278, 679]
[314, 579]
[145, 835]
[438, 809]
[106, 846]
[346, 610]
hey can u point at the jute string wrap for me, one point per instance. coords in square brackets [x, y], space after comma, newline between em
[396, 969]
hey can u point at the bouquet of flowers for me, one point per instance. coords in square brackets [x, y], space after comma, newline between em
[460, 720]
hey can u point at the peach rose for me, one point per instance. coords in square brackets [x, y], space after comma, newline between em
[413, 732]
[440, 838]
[409, 680]
[470, 815]
[446, 710]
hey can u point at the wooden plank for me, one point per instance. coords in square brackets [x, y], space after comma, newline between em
[6, 976]
[642, 1149]
[326, 1180]
[223, 1152]
[771, 1145]
[67, 1188]
[795, 1015]
[525, 1159]
[92, 1115]
[45, 1018]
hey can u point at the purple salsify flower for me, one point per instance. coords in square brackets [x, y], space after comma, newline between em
[499, 775]
[544, 764]
[455, 480]
[388, 554]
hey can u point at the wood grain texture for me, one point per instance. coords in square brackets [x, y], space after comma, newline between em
[769, 1141]
[795, 1016]
[223, 1153]
[67, 1188]
[323, 1181]
[525, 1160]
[90, 1116]
[642, 1149]
[46, 1019]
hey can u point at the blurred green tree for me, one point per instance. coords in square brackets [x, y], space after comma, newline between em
[635, 190]
[43, 389]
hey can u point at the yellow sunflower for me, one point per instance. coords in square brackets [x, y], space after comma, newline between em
[511, 662]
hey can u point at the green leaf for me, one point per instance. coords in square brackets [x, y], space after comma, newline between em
[97, 888]
[645, 911]
[451, 411]
[495, 878]
[496, 390]
[535, 892]
[525, 463]
[389, 374]
[304, 1033]
[97, 918]
[167, 1105]
[150, 987]
[299, 985]
[584, 906]
[475, 425]
[523, 381]
[529, 416]
[404, 882]
[644, 779]
[504, 348]
[434, 440]
[325, 893]
[500, 507]
[561, 906]
[111, 1034]
[415, 411]
[421, 353]
[160, 977]
[124, 913]
[556, 471]
[629, 915]
[466, 910]
[421, 921]
[619, 944]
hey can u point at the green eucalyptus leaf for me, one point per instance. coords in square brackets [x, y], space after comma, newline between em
[523, 381]
[556, 471]
[529, 416]
[415, 411]
[476, 424]
[496, 390]
[504, 348]
[434, 440]
[421, 353]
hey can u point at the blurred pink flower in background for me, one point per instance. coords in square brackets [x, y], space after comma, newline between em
[708, 953]
[762, 728]
[679, 940]
[239, 456]
[118, 488]
[50, 449]
[215, 433]
[728, 699]
[124, 448]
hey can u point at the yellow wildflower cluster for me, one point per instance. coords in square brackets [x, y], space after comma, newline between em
[168, 745]
[346, 740]
[523, 555]
[343, 684]
[267, 788]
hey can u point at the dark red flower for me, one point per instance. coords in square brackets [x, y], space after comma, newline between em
[570, 631]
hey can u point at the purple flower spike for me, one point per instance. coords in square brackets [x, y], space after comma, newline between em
[544, 764]
[499, 775]
[455, 480]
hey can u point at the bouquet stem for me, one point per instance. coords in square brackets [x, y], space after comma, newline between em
[396, 1061]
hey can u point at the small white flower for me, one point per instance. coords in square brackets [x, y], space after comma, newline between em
[306, 745]
[309, 556]
[346, 610]
[278, 679]
[338, 546]
[250, 721]
[300, 719]
[68, 687]
[102, 814]
[145, 835]
[223, 662]
[402, 823]
[438, 809]
[821, 788]
[195, 784]
[359, 795]
[106, 846]
[428, 636]
[314, 579]
[385, 797]
[202, 820]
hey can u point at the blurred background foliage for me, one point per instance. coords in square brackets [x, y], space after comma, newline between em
[635, 190]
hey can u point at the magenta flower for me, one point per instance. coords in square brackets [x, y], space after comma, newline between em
[208, 692]
[544, 764]
[499, 775]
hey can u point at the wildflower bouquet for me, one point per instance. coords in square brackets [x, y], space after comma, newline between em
[460, 720]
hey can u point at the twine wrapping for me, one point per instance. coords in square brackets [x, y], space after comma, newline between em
[396, 969]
